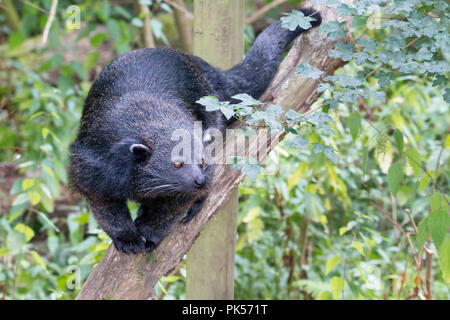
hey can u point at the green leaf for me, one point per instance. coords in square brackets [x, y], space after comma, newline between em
[331, 264]
[438, 225]
[422, 234]
[3, 251]
[444, 259]
[90, 61]
[34, 197]
[27, 231]
[307, 70]
[38, 260]
[354, 123]
[414, 161]
[336, 287]
[435, 201]
[395, 177]
[49, 171]
[15, 240]
[398, 136]
[384, 153]
[27, 184]
[358, 246]
[254, 229]
[15, 39]
[98, 39]
[21, 198]
[252, 214]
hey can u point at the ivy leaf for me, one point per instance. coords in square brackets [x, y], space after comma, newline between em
[246, 99]
[440, 79]
[307, 70]
[327, 151]
[249, 167]
[446, 95]
[296, 19]
[344, 80]
[213, 104]
[333, 29]
[343, 51]
[297, 142]
[395, 177]
[269, 117]
[368, 44]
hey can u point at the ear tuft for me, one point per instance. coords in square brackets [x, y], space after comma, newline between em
[140, 151]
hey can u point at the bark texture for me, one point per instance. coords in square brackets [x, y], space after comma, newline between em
[121, 276]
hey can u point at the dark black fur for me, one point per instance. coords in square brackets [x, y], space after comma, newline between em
[139, 99]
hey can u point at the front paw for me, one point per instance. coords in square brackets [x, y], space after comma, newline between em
[152, 237]
[129, 242]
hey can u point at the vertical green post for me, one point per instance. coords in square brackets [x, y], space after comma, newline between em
[219, 40]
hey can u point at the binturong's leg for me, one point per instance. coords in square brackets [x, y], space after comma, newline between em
[192, 212]
[115, 219]
[154, 224]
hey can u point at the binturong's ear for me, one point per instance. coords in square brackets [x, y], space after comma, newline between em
[140, 152]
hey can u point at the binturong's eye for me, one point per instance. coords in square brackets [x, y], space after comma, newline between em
[177, 164]
[202, 164]
[140, 152]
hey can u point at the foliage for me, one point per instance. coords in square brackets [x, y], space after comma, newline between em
[355, 174]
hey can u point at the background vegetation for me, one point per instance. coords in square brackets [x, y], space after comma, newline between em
[357, 210]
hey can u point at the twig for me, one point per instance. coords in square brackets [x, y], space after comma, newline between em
[428, 275]
[34, 6]
[181, 8]
[147, 34]
[184, 26]
[50, 19]
[261, 12]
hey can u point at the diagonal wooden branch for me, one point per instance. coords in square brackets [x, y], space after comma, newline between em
[121, 276]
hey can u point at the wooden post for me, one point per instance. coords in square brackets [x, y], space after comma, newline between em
[218, 39]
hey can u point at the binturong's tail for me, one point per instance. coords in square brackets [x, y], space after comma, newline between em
[254, 74]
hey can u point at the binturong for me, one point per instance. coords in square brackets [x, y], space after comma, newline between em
[124, 148]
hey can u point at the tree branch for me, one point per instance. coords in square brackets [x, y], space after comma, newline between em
[261, 12]
[183, 23]
[122, 276]
[48, 25]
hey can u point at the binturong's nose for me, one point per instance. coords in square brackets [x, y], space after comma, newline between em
[199, 182]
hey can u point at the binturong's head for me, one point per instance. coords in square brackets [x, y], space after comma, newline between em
[140, 147]
[168, 167]
[168, 161]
